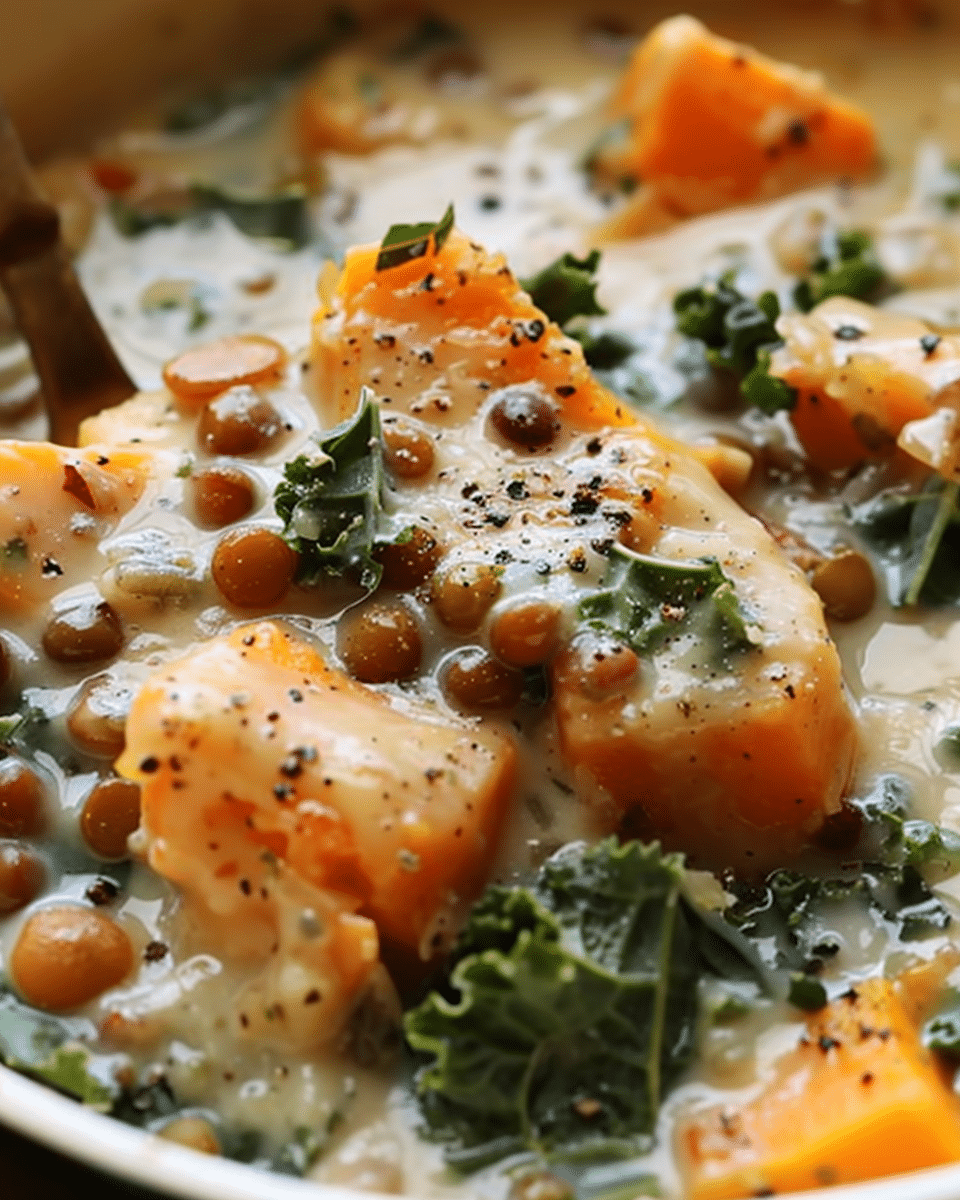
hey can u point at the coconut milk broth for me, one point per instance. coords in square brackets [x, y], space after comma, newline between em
[508, 159]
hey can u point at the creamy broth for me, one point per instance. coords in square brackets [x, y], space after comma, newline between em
[505, 146]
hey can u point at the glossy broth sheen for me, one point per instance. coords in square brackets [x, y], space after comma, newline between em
[507, 153]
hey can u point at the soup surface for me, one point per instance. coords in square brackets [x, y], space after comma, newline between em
[483, 717]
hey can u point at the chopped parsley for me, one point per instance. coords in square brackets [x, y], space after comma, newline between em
[330, 501]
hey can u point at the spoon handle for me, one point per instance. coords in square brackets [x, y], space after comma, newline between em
[78, 369]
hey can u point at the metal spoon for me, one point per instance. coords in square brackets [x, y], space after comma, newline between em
[78, 369]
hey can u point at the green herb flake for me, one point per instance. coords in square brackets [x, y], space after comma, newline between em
[16, 550]
[917, 537]
[281, 217]
[403, 243]
[846, 266]
[38, 1045]
[739, 335]
[646, 600]
[567, 288]
[942, 1031]
[806, 992]
[575, 1012]
[331, 501]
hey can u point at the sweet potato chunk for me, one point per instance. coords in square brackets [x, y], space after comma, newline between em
[57, 504]
[257, 761]
[859, 1098]
[861, 375]
[711, 124]
[734, 758]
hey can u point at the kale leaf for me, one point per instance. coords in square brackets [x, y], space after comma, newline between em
[403, 243]
[646, 600]
[917, 537]
[40, 1046]
[281, 217]
[846, 266]
[575, 1007]
[330, 501]
[567, 288]
[739, 335]
[791, 913]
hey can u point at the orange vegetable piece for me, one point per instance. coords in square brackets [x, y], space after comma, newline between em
[470, 314]
[712, 124]
[396, 815]
[740, 777]
[204, 371]
[861, 374]
[859, 1098]
[58, 503]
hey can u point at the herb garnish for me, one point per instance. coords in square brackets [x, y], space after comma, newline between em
[917, 536]
[739, 335]
[567, 288]
[40, 1046]
[575, 1008]
[646, 600]
[846, 266]
[330, 501]
[790, 914]
[403, 243]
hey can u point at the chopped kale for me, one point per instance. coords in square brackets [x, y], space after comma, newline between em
[806, 992]
[846, 266]
[886, 873]
[739, 335]
[281, 217]
[646, 600]
[330, 501]
[917, 538]
[403, 243]
[431, 33]
[567, 288]
[942, 1031]
[41, 1046]
[574, 1011]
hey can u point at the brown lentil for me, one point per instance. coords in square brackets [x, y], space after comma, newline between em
[111, 812]
[238, 422]
[253, 567]
[21, 877]
[87, 631]
[97, 716]
[409, 451]
[846, 585]
[408, 563]
[221, 496]
[523, 415]
[525, 634]
[22, 812]
[474, 681]
[380, 642]
[67, 956]
[463, 593]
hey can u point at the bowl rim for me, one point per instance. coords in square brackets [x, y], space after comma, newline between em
[137, 1156]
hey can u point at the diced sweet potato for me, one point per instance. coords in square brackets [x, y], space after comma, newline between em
[859, 1098]
[711, 124]
[735, 759]
[861, 375]
[57, 504]
[259, 763]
